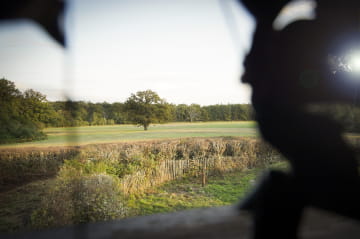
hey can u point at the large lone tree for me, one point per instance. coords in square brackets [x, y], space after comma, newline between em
[146, 107]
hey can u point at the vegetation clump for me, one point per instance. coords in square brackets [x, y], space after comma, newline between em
[22, 115]
[77, 197]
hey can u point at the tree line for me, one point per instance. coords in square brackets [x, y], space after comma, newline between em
[23, 115]
[80, 113]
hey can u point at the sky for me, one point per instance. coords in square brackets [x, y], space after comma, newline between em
[187, 51]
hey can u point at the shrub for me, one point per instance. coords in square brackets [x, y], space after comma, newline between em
[80, 199]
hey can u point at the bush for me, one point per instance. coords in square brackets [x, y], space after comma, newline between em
[16, 132]
[80, 199]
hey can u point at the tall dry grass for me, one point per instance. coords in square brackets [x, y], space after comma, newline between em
[139, 165]
[146, 164]
[19, 166]
[94, 182]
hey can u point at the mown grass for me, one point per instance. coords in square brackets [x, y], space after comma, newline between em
[121, 133]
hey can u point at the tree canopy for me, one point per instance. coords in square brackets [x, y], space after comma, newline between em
[21, 114]
[146, 107]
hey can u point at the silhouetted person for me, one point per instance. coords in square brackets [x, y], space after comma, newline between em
[288, 70]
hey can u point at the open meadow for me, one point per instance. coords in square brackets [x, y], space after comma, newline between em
[99, 173]
[88, 174]
[74, 136]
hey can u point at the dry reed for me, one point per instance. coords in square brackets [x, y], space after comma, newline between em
[142, 165]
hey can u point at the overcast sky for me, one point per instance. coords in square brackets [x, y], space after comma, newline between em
[187, 51]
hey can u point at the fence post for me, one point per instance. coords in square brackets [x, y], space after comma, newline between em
[203, 181]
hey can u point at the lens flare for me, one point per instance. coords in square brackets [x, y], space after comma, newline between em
[354, 63]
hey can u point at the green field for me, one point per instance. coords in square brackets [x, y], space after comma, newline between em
[121, 133]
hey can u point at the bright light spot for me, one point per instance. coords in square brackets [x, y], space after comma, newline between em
[354, 63]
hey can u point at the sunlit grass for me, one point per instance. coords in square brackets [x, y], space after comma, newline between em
[119, 133]
[188, 193]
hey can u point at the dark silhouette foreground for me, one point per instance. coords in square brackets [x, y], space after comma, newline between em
[46, 13]
[288, 70]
